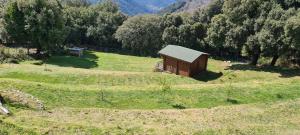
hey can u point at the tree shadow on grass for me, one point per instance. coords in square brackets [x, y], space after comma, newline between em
[208, 76]
[87, 61]
[284, 72]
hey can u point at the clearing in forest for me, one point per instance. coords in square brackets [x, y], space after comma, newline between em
[119, 94]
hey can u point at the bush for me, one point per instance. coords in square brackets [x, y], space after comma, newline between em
[13, 55]
[178, 106]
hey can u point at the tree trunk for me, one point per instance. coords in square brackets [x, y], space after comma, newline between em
[274, 60]
[38, 51]
[27, 45]
[254, 60]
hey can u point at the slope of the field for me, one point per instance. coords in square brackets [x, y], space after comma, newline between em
[118, 94]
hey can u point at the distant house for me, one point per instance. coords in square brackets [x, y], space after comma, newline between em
[183, 61]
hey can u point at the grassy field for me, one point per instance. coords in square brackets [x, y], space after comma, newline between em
[105, 93]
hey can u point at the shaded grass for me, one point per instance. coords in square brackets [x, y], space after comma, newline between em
[105, 61]
[283, 71]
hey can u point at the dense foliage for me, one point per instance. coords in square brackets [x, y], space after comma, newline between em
[93, 25]
[248, 29]
[50, 25]
[142, 34]
[37, 22]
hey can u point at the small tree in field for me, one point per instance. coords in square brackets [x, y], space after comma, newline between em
[165, 87]
[229, 90]
[101, 89]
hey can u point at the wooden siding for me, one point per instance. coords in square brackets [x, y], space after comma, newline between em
[202, 62]
[171, 65]
[183, 68]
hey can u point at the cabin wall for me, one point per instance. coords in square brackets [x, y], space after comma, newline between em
[199, 65]
[183, 68]
[195, 68]
[171, 65]
[202, 63]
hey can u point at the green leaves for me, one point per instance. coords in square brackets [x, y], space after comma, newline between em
[37, 22]
[141, 34]
[292, 30]
[94, 25]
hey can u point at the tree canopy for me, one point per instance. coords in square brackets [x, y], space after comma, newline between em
[142, 34]
[37, 22]
[248, 29]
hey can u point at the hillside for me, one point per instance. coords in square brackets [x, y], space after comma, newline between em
[134, 7]
[185, 6]
[105, 93]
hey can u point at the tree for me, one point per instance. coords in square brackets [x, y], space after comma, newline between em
[77, 3]
[273, 39]
[38, 22]
[44, 24]
[107, 22]
[170, 35]
[216, 33]
[172, 20]
[292, 30]
[3, 33]
[94, 25]
[14, 19]
[142, 34]
[190, 35]
[286, 4]
[205, 14]
[253, 48]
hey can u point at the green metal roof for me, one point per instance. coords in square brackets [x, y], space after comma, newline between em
[181, 53]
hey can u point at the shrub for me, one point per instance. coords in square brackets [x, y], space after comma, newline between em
[13, 55]
[178, 106]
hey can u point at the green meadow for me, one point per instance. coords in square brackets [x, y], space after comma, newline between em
[106, 93]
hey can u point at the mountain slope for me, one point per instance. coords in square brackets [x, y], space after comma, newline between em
[185, 6]
[134, 7]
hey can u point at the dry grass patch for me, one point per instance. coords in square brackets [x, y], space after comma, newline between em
[16, 97]
[277, 118]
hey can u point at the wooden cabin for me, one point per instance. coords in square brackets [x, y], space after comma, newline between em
[183, 61]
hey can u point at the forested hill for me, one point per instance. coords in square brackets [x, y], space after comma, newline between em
[185, 6]
[134, 7]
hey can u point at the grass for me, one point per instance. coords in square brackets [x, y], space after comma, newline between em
[80, 93]
[105, 61]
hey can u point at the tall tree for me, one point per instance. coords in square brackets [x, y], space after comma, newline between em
[107, 22]
[170, 35]
[38, 22]
[205, 14]
[292, 31]
[3, 33]
[77, 3]
[142, 34]
[14, 19]
[216, 33]
[94, 25]
[273, 40]
[45, 24]
[253, 48]
[172, 20]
